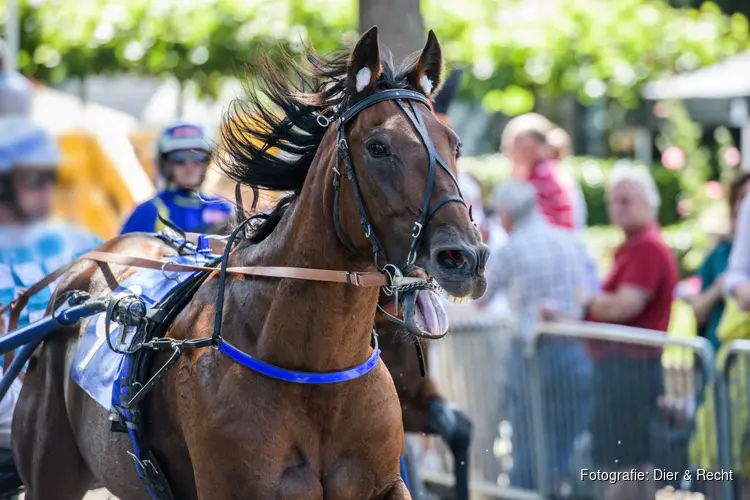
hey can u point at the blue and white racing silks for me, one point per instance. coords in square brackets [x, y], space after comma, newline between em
[29, 253]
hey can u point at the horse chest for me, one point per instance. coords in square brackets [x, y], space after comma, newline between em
[305, 442]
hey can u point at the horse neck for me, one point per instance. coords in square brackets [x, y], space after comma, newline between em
[306, 325]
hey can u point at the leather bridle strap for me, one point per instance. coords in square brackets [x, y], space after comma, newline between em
[367, 279]
[303, 273]
[406, 100]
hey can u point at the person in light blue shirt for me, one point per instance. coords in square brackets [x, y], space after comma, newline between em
[30, 245]
[183, 156]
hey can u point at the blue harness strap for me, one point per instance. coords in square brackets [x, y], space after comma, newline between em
[297, 377]
[404, 472]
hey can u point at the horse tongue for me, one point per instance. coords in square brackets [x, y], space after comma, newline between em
[430, 313]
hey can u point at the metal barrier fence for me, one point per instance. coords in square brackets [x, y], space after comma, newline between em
[732, 397]
[548, 409]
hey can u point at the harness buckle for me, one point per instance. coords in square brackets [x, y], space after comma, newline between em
[343, 144]
[416, 230]
[175, 277]
[141, 463]
[367, 228]
[352, 278]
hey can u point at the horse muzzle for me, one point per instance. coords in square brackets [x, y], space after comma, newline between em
[460, 269]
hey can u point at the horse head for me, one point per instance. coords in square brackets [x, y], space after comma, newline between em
[404, 161]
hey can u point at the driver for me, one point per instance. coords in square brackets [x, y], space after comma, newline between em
[31, 246]
[183, 155]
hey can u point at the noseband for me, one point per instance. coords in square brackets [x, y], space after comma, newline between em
[407, 101]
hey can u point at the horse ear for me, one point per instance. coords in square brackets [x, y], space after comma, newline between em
[425, 76]
[364, 65]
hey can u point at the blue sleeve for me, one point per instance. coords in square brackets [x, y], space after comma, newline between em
[220, 204]
[143, 219]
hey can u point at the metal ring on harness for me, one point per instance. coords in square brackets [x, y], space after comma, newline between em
[175, 277]
[323, 121]
[396, 273]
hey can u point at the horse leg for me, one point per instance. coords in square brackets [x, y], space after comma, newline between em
[44, 445]
[455, 429]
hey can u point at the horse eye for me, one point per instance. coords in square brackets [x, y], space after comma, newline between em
[458, 150]
[376, 149]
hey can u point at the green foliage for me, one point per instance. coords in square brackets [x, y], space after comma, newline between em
[593, 48]
[515, 51]
[193, 40]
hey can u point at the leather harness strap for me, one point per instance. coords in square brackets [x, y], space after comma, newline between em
[347, 277]
[351, 278]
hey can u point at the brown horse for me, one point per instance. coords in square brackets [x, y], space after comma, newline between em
[219, 430]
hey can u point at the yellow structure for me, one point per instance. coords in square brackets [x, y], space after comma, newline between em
[96, 187]
[101, 179]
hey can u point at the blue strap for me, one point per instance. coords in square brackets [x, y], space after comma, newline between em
[296, 377]
[404, 472]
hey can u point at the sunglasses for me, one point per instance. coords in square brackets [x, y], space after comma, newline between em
[32, 181]
[181, 158]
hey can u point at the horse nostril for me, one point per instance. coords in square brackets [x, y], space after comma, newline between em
[453, 259]
[483, 256]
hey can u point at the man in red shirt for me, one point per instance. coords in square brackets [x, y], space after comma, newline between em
[533, 160]
[638, 292]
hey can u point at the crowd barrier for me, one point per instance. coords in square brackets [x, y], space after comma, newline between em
[732, 397]
[553, 420]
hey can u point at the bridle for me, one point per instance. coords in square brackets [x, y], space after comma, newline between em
[407, 101]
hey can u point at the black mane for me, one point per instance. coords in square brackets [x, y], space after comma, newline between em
[271, 137]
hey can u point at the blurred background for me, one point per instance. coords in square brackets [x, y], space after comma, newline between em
[661, 83]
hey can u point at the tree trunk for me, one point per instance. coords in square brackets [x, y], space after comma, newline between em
[180, 111]
[400, 24]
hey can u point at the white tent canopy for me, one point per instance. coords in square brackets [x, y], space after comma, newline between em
[724, 80]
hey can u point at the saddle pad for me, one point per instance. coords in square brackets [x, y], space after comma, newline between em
[95, 366]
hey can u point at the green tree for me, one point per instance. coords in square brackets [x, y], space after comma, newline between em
[515, 51]
[518, 50]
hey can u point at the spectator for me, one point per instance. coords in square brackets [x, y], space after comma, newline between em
[708, 305]
[524, 141]
[638, 293]
[737, 276]
[30, 246]
[541, 268]
[559, 142]
[183, 153]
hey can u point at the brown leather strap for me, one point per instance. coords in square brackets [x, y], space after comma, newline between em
[17, 305]
[390, 308]
[351, 278]
[302, 273]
